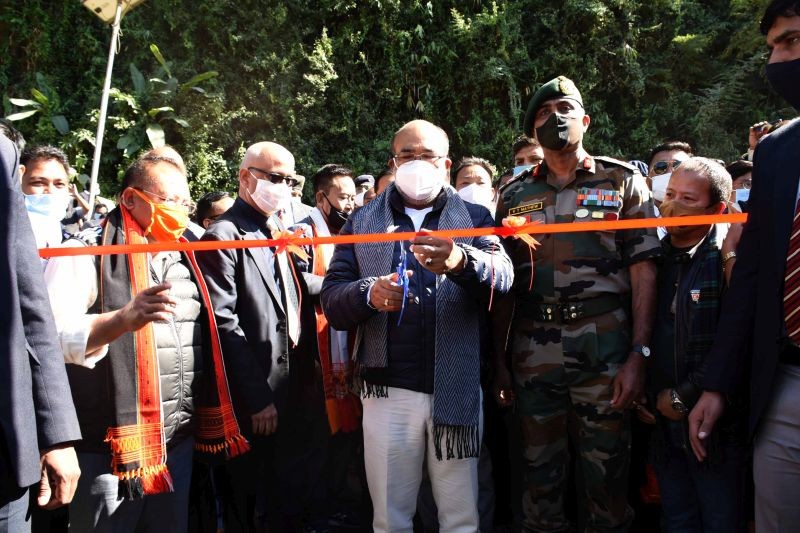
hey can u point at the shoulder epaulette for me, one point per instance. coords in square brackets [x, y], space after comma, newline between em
[616, 162]
[520, 177]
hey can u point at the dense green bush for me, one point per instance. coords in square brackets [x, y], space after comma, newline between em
[332, 79]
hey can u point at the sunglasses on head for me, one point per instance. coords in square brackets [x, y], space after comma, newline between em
[663, 166]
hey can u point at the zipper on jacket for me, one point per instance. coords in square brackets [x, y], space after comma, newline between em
[684, 425]
[165, 266]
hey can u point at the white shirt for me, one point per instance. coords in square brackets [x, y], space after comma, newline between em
[417, 216]
[72, 286]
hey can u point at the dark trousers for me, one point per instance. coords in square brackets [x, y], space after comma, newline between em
[279, 485]
[701, 498]
[14, 516]
[98, 506]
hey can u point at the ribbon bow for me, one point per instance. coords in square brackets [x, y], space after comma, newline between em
[285, 242]
[518, 227]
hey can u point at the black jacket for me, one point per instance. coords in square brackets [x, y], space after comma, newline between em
[695, 292]
[752, 310]
[250, 316]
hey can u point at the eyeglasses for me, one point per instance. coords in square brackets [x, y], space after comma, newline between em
[402, 159]
[274, 177]
[186, 205]
[663, 166]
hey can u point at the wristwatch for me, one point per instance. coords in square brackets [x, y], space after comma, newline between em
[644, 350]
[677, 403]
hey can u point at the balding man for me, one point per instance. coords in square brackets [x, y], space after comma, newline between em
[160, 392]
[193, 230]
[267, 327]
[420, 360]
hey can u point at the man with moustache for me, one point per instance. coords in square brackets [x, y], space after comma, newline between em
[583, 313]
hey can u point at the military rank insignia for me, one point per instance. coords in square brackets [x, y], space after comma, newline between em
[566, 86]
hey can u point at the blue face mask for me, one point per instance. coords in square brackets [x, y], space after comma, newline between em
[519, 169]
[52, 206]
[742, 195]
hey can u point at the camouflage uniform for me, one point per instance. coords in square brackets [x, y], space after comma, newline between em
[564, 368]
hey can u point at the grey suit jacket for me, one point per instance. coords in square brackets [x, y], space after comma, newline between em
[36, 410]
[261, 366]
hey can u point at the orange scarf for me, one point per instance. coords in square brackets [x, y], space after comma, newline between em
[342, 406]
[137, 439]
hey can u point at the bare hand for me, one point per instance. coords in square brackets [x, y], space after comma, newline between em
[628, 383]
[60, 473]
[437, 254]
[757, 131]
[265, 422]
[643, 413]
[386, 294]
[502, 386]
[150, 305]
[664, 406]
[704, 416]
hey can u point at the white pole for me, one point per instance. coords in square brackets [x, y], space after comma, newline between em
[101, 121]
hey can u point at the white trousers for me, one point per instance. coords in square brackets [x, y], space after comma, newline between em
[398, 440]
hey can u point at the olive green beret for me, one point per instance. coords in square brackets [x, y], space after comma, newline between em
[560, 87]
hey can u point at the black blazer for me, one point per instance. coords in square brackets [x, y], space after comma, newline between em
[752, 310]
[36, 410]
[261, 367]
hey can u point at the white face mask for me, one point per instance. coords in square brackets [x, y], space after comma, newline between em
[359, 199]
[271, 197]
[478, 194]
[660, 183]
[418, 181]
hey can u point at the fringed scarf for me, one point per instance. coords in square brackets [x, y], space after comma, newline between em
[342, 406]
[137, 438]
[456, 393]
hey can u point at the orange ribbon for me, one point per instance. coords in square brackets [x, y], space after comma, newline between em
[285, 242]
[503, 231]
[519, 222]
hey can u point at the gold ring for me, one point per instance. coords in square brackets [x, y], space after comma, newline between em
[386, 302]
[428, 261]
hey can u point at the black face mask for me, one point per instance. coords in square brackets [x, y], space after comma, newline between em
[785, 79]
[554, 134]
[336, 218]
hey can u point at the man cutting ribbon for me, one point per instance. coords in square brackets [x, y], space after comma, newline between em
[422, 396]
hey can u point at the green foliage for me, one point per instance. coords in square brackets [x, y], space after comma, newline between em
[46, 103]
[333, 79]
[143, 113]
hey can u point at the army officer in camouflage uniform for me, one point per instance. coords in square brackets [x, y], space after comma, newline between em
[581, 325]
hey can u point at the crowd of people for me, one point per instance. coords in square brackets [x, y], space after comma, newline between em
[553, 382]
